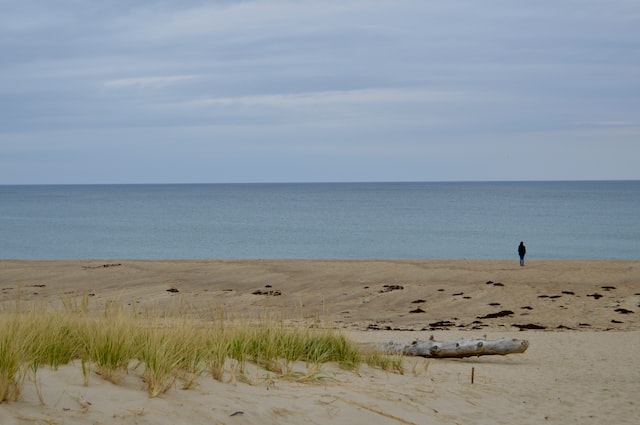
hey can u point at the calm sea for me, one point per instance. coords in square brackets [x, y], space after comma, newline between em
[556, 220]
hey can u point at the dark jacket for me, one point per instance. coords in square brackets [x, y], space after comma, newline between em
[521, 249]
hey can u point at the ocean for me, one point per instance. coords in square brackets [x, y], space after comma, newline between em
[472, 220]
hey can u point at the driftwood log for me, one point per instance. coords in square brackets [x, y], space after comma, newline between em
[457, 349]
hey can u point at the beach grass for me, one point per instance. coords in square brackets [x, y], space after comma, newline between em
[167, 350]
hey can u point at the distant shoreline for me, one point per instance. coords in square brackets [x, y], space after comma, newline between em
[375, 182]
[223, 259]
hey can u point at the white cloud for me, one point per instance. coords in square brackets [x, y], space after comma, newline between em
[330, 97]
[616, 124]
[244, 19]
[148, 82]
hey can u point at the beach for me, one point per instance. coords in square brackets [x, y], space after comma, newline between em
[582, 319]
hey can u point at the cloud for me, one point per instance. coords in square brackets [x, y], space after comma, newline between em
[322, 78]
[616, 124]
[239, 20]
[148, 82]
[319, 98]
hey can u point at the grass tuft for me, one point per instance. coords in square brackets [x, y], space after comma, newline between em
[173, 350]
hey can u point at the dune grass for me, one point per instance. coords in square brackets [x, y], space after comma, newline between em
[12, 360]
[166, 351]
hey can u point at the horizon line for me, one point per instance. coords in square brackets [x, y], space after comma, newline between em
[322, 182]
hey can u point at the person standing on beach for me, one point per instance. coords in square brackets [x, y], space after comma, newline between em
[522, 250]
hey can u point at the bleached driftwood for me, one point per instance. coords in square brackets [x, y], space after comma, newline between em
[457, 349]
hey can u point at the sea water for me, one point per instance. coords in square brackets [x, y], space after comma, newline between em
[474, 220]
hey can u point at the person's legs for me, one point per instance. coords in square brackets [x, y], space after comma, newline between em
[522, 260]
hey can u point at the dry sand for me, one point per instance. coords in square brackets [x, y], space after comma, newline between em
[582, 367]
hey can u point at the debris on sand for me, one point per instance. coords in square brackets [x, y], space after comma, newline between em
[502, 313]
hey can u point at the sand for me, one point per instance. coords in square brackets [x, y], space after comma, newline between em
[582, 365]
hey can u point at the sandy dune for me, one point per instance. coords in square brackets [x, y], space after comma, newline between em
[583, 367]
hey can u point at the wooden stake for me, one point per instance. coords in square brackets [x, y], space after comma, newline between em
[473, 374]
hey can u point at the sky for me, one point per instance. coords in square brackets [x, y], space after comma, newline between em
[186, 91]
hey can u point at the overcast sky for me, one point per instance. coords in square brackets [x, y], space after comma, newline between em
[180, 91]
